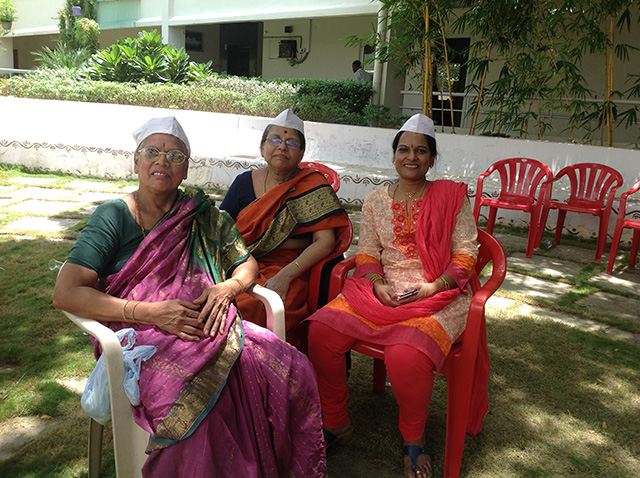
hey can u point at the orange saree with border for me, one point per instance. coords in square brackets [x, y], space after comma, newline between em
[293, 209]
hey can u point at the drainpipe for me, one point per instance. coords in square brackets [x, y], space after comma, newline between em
[378, 68]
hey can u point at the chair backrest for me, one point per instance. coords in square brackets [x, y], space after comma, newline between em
[332, 177]
[591, 184]
[520, 176]
[623, 198]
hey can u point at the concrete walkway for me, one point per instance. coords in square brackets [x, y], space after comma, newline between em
[31, 206]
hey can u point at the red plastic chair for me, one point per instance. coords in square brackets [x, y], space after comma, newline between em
[342, 243]
[520, 180]
[623, 223]
[459, 366]
[592, 190]
[332, 177]
[315, 274]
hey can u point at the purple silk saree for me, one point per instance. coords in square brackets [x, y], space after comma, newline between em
[241, 404]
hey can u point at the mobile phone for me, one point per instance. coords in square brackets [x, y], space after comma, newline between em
[408, 293]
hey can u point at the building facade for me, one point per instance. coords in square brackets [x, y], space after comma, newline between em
[296, 39]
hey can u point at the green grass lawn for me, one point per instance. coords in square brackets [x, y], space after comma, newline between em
[563, 402]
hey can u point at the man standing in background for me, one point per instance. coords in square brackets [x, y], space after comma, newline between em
[359, 73]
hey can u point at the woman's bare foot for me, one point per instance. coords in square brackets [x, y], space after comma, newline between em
[423, 460]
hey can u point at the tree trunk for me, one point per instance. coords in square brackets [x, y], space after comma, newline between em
[446, 64]
[472, 130]
[427, 86]
[610, 84]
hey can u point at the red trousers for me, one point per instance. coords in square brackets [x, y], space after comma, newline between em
[410, 371]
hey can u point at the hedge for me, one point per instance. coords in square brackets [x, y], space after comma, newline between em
[342, 102]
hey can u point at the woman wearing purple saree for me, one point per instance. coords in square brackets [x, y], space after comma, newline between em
[220, 397]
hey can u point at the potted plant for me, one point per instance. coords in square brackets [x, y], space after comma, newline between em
[7, 13]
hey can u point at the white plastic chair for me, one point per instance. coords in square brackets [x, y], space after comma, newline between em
[129, 440]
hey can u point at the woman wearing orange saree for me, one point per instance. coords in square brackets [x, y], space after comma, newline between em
[289, 218]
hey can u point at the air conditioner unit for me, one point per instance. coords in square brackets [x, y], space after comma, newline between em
[287, 48]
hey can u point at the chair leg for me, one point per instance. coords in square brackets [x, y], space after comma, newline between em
[379, 375]
[458, 401]
[95, 448]
[543, 223]
[614, 250]
[533, 235]
[602, 237]
[559, 226]
[491, 219]
[635, 245]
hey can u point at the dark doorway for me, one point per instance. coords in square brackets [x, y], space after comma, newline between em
[241, 48]
[239, 60]
[458, 53]
[15, 59]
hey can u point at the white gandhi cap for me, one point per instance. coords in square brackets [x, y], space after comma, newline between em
[419, 123]
[287, 119]
[168, 125]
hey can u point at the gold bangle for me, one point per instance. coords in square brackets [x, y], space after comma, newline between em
[133, 312]
[124, 317]
[239, 282]
[376, 277]
[296, 263]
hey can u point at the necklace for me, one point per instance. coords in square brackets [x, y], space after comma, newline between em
[264, 186]
[409, 194]
[265, 181]
[139, 215]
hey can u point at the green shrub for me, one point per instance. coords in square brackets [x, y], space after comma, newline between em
[86, 32]
[7, 11]
[351, 96]
[379, 116]
[61, 58]
[324, 101]
[144, 59]
[79, 33]
[54, 85]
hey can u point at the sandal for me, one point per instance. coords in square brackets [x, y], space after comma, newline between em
[413, 451]
[331, 438]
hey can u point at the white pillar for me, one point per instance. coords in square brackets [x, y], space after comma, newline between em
[171, 34]
[378, 94]
[6, 52]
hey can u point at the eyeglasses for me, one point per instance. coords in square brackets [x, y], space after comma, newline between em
[291, 143]
[174, 156]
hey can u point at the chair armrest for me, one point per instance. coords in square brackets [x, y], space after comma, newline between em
[338, 275]
[315, 276]
[126, 432]
[274, 308]
[111, 349]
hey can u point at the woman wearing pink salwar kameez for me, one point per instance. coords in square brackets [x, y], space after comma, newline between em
[409, 292]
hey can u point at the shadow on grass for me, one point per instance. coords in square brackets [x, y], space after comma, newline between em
[563, 402]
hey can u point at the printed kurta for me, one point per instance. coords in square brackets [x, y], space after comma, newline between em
[387, 244]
